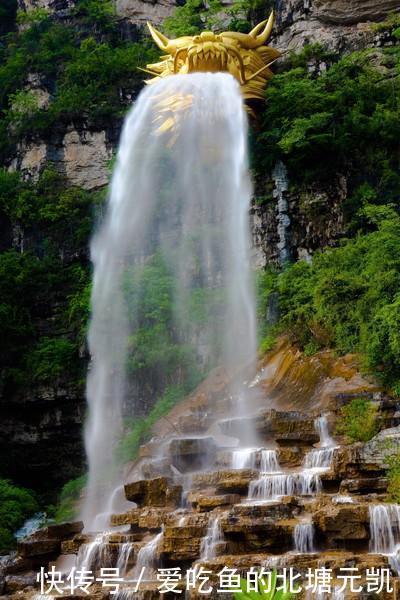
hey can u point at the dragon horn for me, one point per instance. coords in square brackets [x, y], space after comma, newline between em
[263, 37]
[161, 40]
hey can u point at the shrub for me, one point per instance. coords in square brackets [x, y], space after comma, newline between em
[51, 359]
[139, 430]
[70, 494]
[16, 505]
[358, 420]
[347, 298]
[348, 115]
[268, 589]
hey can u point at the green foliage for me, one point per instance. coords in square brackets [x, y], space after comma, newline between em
[90, 70]
[266, 589]
[34, 283]
[16, 505]
[390, 23]
[348, 297]
[139, 430]
[343, 121]
[358, 420]
[70, 494]
[393, 475]
[52, 358]
[192, 17]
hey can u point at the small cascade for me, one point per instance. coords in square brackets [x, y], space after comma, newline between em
[250, 458]
[384, 522]
[95, 554]
[123, 557]
[147, 558]
[385, 528]
[213, 537]
[31, 526]
[269, 462]
[321, 458]
[272, 486]
[243, 458]
[303, 538]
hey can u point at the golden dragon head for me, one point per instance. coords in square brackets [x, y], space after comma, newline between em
[245, 56]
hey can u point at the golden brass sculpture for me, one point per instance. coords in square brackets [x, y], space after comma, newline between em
[245, 56]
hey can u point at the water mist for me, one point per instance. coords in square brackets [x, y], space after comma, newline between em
[179, 196]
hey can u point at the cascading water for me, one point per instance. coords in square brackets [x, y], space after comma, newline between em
[252, 458]
[147, 558]
[210, 542]
[94, 554]
[274, 483]
[303, 538]
[384, 522]
[124, 557]
[321, 458]
[179, 203]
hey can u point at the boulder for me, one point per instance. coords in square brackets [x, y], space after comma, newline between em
[285, 508]
[288, 427]
[205, 503]
[376, 452]
[153, 492]
[47, 541]
[364, 485]
[29, 549]
[16, 583]
[225, 481]
[356, 11]
[343, 522]
[181, 543]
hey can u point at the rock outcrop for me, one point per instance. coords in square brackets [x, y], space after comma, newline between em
[241, 511]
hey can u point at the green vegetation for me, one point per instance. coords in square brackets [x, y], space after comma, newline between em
[70, 494]
[138, 430]
[268, 589]
[91, 72]
[345, 121]
[393, 475]
[16, 505]
[197, 15]
[39, 280]
[358, 420]
[348, 297]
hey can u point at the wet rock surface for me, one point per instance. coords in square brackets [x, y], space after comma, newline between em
[244, 506]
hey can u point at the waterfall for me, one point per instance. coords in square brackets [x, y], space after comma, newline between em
[179, 202]
[95, 554]
[124, 556]
[147, 557]
[269, 462]
[251, 457]
[303, 537]
[274, 483]
[321, 458]
[244, 458]
[272, 487]
[384, 523]
[213, 537]
[385, 528]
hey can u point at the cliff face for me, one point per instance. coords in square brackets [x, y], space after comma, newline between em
[45, 422]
